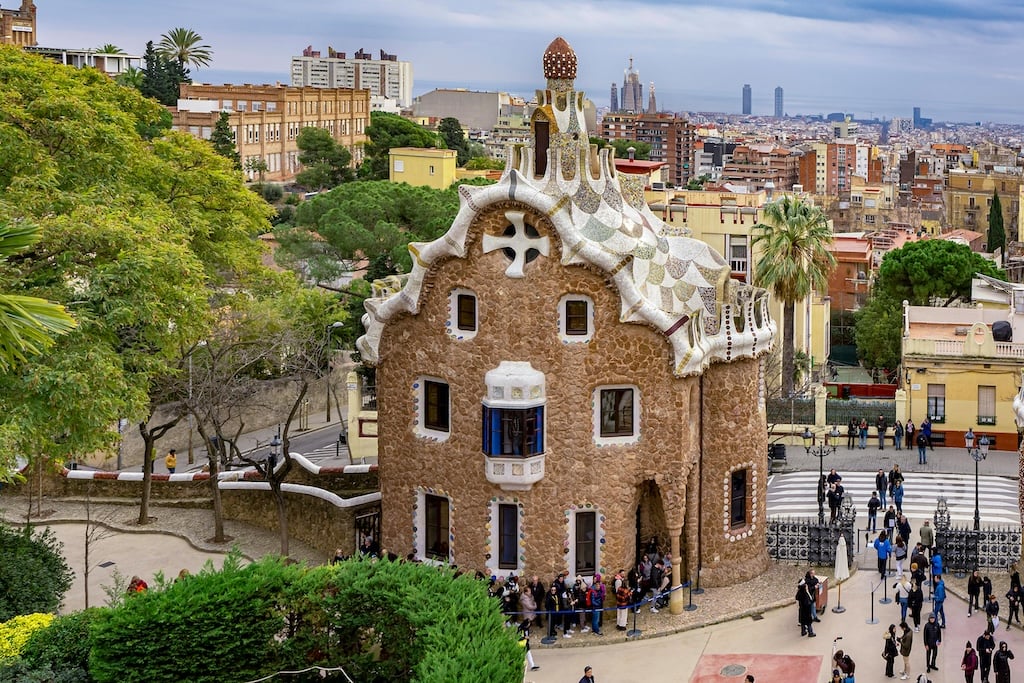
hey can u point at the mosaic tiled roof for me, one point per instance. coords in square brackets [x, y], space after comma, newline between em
[559, 60]
[678, 285]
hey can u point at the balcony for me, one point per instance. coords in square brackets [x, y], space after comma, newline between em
[515, 473]
[963, 349]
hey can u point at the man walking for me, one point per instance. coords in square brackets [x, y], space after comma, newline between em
[922, 448]
[882, 426]
[881, 485]
[932, 638]
[927, 536]
[873, 504]
[986, 645]
[588, 675]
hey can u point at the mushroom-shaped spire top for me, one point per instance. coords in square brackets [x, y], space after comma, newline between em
[560, 60]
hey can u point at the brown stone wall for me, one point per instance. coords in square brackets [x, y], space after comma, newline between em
[735, 436]
[518, 321]
[322, 525]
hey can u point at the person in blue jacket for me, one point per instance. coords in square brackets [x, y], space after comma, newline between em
[939, 598]
[883, 547]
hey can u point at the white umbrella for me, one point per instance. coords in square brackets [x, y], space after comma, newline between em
[842, 572]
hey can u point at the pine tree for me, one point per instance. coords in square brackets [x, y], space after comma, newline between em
[223, 141]
[996, 232]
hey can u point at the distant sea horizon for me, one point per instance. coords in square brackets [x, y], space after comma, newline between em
[681, 100]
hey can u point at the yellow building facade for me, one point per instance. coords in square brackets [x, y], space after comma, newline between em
[968, 196]
[420, 166]
[962, 374]
[725, 221]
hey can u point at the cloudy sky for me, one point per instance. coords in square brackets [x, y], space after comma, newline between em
[959, 60]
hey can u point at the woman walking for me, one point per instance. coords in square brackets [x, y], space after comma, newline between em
[897, 436]
[969, 663]
[805, 609]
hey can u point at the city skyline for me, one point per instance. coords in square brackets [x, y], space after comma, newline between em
[955, 59]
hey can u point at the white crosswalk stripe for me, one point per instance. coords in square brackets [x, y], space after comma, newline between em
[794, 494]
[326, 453]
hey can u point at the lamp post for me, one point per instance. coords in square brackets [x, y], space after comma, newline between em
[820, 452]
[275, 444]
[327, 348]
[977, 454]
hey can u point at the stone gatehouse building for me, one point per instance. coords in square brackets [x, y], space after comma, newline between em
[559, 380]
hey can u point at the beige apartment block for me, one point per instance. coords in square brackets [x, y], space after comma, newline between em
[968, 195]
[266, 119]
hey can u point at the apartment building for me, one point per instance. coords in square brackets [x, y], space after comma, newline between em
[18, 26]
[758, 167]
[618, 125]
[968, 197]
[385, 77]
[672, 143]
[266, 119]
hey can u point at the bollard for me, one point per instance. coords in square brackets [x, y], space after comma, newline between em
[872, 620]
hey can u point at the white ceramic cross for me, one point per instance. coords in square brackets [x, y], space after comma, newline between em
[519, 242]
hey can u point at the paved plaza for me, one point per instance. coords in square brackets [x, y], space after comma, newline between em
[749, 628]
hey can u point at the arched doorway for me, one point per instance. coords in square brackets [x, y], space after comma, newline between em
[651, 526]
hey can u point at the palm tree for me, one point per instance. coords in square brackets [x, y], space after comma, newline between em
[795, 260]
[109, 49]
[184, 46]
[27, 324]
[131, 77]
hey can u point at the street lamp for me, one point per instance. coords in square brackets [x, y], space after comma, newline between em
[820, 452]
[978, 454]
[327, 347]
[275, 444]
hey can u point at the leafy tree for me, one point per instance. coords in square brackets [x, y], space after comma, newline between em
[223, 140]
[930, 272]
[34, 576]
[454, 137]
[258, 165]
[385, 132]
[878, 332]
[485, 164]
[795, 260]
[326, 163]
[136, 237]
[996, 232]
[364, 220]
[697, 183]
[642, 150]
[109, 49]
[29, 323]
[184, 46]
[923, 273]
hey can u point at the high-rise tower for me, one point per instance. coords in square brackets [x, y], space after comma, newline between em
[652, 103]
[614, 104]
[632, 90]
[778, 103]
[746, 99]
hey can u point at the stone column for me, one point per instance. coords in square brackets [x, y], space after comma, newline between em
[675, 601]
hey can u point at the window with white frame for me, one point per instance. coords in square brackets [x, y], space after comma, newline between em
[433, 408]
[462, 314]
[937, 402]
[738, 493]
[399, 166]
[585, 542]
[433, 527]
[576, 318]
[616, 414]
[986, 405]
[738, 254]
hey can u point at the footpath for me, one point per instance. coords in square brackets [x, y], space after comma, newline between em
[746, 628]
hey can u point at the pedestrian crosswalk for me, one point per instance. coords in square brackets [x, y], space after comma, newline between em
[794, 494]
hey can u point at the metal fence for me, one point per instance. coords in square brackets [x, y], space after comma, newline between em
[839, 411]
[963, 549]
[791, 411]
[805, 540]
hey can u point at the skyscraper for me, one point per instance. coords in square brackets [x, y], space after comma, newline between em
[615, 98]
[746, 99]
[778, 102]
[652, 103]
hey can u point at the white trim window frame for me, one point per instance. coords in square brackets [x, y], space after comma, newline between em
[570, 329]
[442, 552]
[616, 422]
[429, 417]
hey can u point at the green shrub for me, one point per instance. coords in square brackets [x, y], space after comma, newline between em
[33, 573]
[15, 632]
[272, 193]
[380, 621]
[63, 646]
